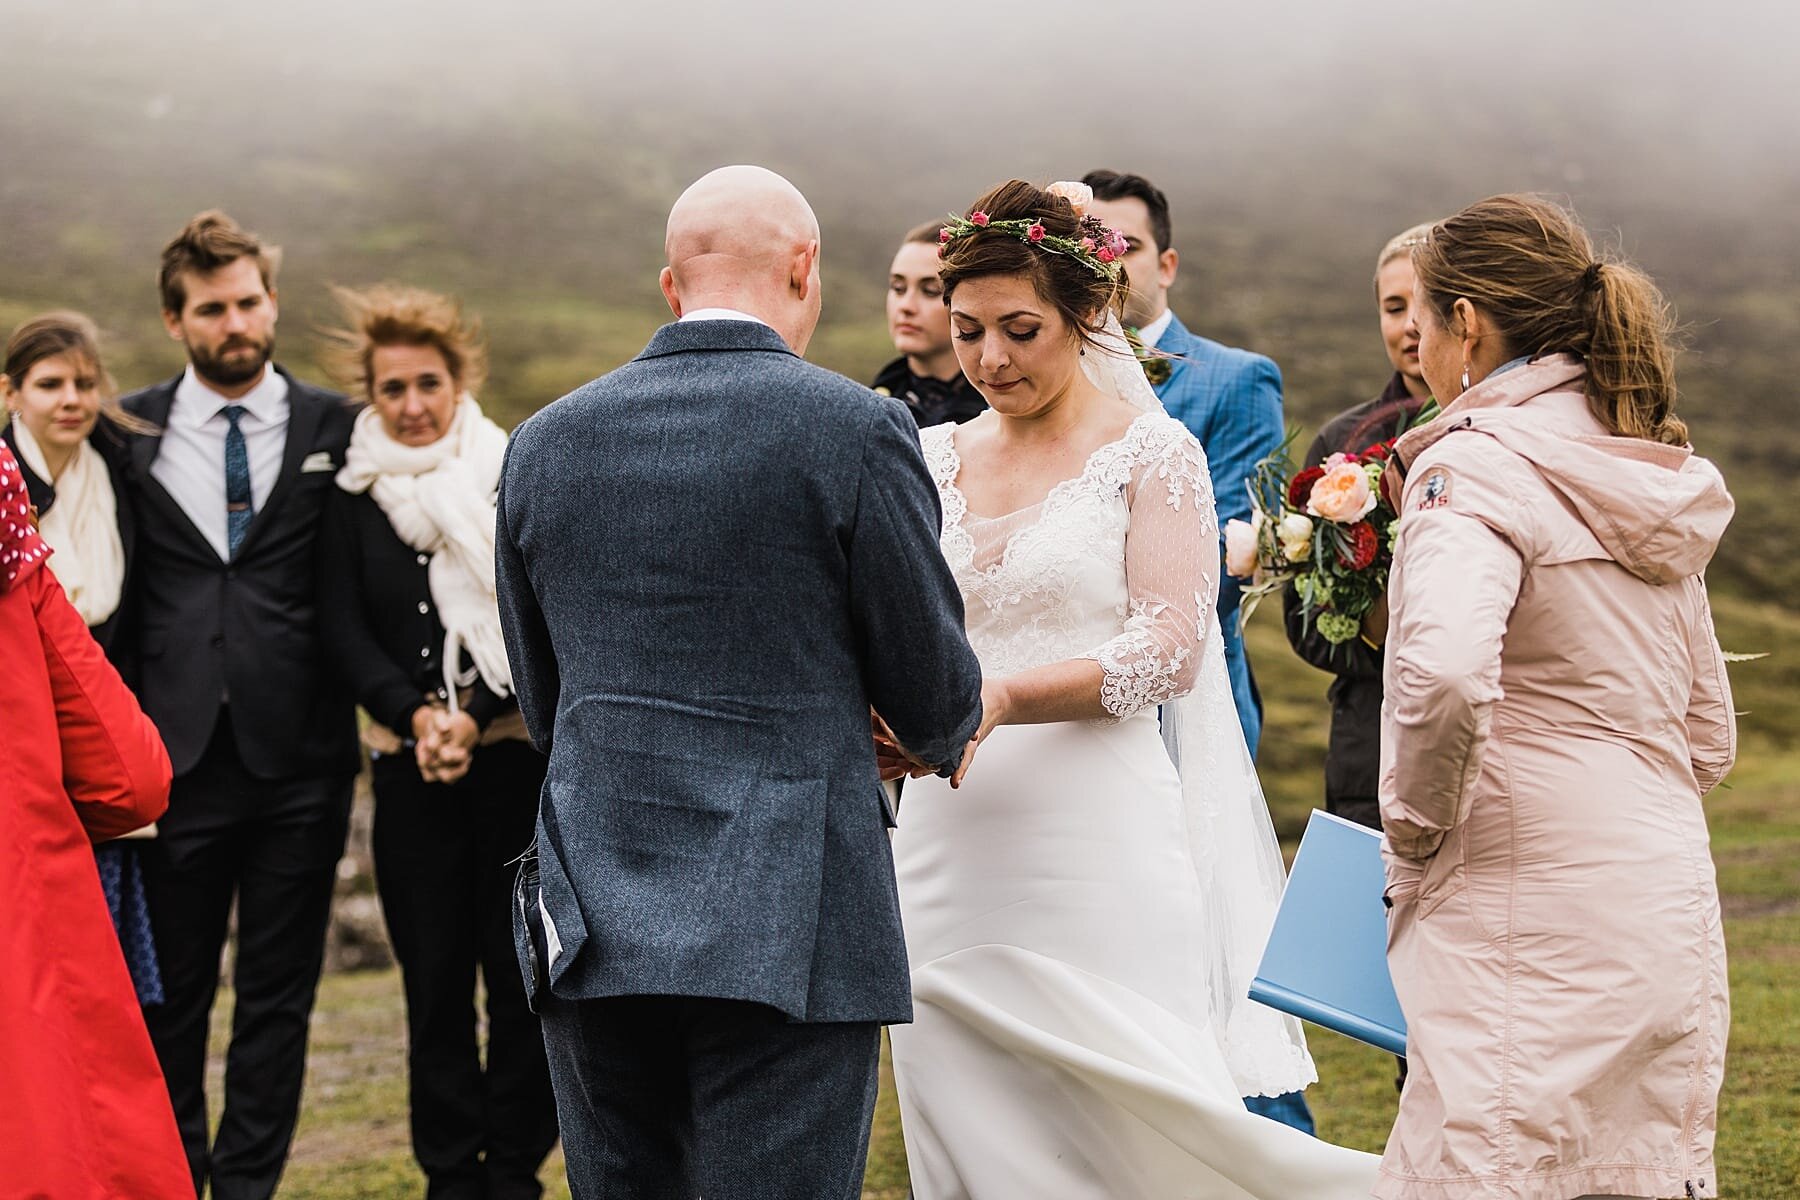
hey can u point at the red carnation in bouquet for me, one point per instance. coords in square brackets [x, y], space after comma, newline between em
[1301, 487]
[1360, 546]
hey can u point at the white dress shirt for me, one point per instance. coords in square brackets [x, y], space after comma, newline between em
[1151, 334]
[190, 463]
[720, 314]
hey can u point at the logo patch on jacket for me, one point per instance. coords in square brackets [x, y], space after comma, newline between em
[1435, 489]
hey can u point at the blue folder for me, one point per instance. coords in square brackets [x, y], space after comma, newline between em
[1326, 961]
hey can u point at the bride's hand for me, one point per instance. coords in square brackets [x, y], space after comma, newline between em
[996, 702]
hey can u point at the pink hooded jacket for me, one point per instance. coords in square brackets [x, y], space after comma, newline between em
[1556, 706]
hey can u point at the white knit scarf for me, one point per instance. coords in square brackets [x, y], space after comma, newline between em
[82, 527]
[440, 500]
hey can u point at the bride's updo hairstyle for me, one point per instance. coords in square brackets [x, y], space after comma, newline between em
[1530, 267]
[1082, 295]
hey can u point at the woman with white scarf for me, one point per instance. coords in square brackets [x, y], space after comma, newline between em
[64, 430]
[408, 607]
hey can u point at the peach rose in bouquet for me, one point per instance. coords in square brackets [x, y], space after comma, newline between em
[1343, 494]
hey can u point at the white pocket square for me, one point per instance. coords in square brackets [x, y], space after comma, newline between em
[318, 460]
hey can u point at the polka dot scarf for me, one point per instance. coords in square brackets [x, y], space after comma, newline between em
[21, 549]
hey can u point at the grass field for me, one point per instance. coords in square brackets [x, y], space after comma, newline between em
[352, 1141]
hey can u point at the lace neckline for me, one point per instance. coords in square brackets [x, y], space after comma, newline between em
[1109, 462]
[947, 483]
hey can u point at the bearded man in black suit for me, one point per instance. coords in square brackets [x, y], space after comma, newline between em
[261, 735]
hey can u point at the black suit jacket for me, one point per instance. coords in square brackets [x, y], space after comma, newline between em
[109, 440]
[205, 628]
[377, 613]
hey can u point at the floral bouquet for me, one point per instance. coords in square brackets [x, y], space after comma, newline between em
[1327, 529]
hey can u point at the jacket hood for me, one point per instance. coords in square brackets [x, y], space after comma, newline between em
[1657, 510]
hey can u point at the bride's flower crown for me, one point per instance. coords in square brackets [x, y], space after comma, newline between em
[1095, 247]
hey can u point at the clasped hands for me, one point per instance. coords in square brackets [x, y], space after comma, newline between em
[443, 743]
[895, 761]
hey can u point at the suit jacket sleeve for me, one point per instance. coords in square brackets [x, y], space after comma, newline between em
[115, 768]
[1243, 429]
[918, 669]
[537, 682]
[379, 683]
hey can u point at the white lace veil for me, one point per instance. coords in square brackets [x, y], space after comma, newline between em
[1232, 838]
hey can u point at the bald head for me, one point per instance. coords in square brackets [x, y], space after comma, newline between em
[743, 237]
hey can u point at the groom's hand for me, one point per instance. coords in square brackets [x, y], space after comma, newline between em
[893, 760]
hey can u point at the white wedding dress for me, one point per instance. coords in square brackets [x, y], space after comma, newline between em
[1081, 916]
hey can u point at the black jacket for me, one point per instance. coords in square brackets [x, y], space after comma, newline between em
[930, 401]
[378, 618]
[109, 440]
[1353, 757]
[203, 626]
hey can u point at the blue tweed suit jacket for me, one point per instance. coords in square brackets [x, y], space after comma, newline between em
[1231, 400]
[711, 563]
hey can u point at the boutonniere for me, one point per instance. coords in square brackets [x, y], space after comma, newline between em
[1157, 367]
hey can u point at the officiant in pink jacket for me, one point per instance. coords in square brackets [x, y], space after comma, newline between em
[1556, 707]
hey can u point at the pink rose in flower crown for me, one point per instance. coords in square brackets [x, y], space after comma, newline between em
[1342, 494]
[1240, 547]
[943, 235]
[978, 218]
[1035, 232]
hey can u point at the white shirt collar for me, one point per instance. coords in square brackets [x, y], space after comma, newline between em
[720, 314]
[197, 403]
[1152, 333]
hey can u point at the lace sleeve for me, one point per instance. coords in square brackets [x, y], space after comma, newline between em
[1171, 571]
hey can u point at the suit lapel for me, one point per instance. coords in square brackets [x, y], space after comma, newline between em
[304, 413]
[154, 407]
[1185, 349]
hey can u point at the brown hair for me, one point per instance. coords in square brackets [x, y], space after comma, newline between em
[926, 233]
[391, 315]
[208, 242]
[52, 334]
[1082, 296]
[1530, 267]
[70, 333]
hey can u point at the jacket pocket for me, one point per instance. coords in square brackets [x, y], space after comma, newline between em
[1445, 876]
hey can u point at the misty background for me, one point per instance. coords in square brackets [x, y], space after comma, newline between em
[524, 156]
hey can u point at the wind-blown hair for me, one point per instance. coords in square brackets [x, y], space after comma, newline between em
[391, 315]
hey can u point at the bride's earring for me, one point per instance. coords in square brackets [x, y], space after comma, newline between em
[1465, 378]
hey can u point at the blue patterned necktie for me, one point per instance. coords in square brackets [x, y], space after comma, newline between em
[239, 507]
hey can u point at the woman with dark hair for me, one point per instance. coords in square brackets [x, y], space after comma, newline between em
[1351, 758]
[1083, 915]
[86, 1112]
[66, 434]
[410, 608]
[1556, 707]
[926, 376]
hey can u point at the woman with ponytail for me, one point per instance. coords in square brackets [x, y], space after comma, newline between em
[1556, 707]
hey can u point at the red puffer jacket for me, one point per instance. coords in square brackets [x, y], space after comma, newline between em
[85, 1113]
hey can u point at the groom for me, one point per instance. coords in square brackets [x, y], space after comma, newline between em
[711, 563]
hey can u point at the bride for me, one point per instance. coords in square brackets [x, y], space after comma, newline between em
[1084, 908]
